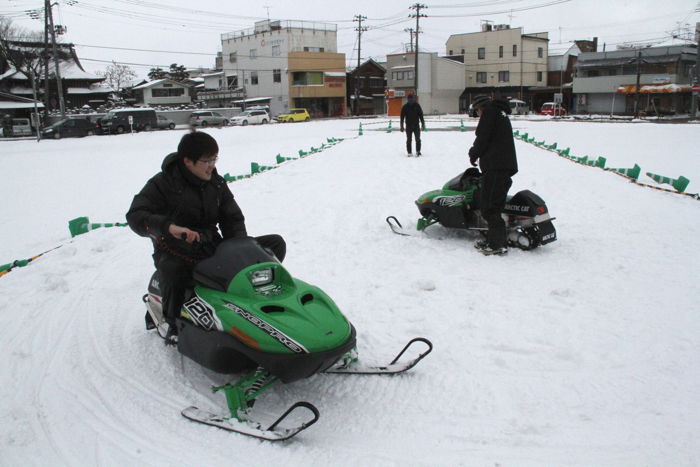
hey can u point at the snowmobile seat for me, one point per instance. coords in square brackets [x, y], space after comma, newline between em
[232, 256]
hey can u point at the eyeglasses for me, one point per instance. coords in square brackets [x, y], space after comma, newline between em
[209, 161]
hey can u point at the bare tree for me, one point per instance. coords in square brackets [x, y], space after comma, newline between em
[118, 76]
[21, 49]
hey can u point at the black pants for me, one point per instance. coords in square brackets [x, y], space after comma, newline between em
[494, 190]
[176, 274]
[410, 131]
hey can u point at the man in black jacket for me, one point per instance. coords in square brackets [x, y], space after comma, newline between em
[182, 209]
[494, 148]
[412, 113]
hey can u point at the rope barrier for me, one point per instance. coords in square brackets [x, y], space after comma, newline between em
[631, 174]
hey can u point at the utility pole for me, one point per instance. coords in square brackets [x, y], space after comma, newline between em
[410, 31]
[695, 94]
[61, 102]
[47, 94]
[359, 29]
[417, 15]
[636, 90]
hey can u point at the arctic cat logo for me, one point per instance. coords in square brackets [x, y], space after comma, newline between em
[515, 207]
[155, 284]
[548, 236]
[276, 334]
[449, 200]
[201, 312]
[269, 290]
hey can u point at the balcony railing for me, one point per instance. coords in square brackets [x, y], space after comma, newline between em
[277, 25]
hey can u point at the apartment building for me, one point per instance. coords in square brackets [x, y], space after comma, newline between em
[287, 64]
[500, 60]
[606, 82]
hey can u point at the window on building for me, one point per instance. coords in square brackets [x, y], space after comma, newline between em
[253, 54]
[313, 49]
[233, 57]
[515, 50]
[482, 53]
[253, 77]
[539, 76]
[376, 82]
[277, 76]
[593, 73]
[232, 82]
[462, 51]
[276, 51]
[503, 76]
[540, 52]
[170, 92]
[409, 75]
[480, 76]
[307, 78]
[500, 51]
[450, 52]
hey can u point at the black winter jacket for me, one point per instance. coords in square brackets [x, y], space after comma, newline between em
[494, 146]
[412, 113]
[177, 196]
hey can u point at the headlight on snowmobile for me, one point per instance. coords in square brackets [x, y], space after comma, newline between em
[261, 277]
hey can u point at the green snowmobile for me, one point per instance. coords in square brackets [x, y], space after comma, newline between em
[247, 314]
[456, 205]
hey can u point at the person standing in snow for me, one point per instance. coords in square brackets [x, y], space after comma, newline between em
[412, 113]
[494, 149]
[186, 210]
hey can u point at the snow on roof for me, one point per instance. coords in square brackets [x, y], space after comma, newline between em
[334, 73]
[19, 105]
[156, 82]
[402, 67]
[208, 75]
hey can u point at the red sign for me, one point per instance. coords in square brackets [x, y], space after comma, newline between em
[696, 87]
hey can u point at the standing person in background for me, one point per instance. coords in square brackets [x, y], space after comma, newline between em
[494, 149]
[412, 113]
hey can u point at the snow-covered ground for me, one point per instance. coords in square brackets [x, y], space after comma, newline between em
[582, 352]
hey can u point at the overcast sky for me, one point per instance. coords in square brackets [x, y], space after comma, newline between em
[188, 32]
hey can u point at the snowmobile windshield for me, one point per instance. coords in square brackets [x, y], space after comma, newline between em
[231, 257]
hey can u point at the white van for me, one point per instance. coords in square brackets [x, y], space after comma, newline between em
[518, 107]
[20, 127]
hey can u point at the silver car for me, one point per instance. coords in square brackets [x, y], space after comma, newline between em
[205, 118]
[164, 122]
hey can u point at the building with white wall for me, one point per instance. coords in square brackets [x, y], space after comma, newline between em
[440, 82]
[291, 63]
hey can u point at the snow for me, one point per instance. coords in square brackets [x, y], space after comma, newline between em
[582, 352]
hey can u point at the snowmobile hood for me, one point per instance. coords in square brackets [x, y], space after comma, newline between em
[263, 306]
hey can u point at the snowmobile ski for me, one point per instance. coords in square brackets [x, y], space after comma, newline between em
[252, 428]
[399, 229]
[354, 367]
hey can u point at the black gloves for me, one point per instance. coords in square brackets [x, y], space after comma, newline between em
[473, 157]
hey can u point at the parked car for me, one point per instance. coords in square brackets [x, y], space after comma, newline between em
[251, 117]
[70, 127]
[205, 118]
[294, 115]
[164, 122]
[518, 107]
[17, 127]
[117, 121]
[551, 108]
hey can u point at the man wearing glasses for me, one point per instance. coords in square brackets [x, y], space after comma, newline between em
[186, 210]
